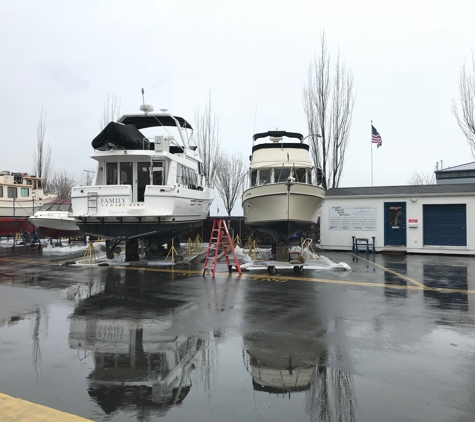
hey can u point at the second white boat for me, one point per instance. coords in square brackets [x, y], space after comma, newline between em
[285, 192]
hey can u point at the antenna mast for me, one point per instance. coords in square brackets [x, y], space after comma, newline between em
[146, 108]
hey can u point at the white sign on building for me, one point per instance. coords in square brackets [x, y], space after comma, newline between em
[352, 218]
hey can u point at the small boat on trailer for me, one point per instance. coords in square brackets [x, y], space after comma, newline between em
[285, 191]
[146, 187]
[20, 195]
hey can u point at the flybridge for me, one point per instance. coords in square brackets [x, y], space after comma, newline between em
[278, 134]
[141, 121]
[126, 133]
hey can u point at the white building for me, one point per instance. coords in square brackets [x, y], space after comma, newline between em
[414, 219]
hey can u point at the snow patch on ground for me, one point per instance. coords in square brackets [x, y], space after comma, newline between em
[312, 260]
[49, 249]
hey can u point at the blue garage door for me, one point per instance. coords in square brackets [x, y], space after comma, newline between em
[445, 225]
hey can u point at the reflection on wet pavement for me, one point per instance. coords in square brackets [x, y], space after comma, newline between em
[286, 354]
[138, 367]
[119, 344]
[439, 276]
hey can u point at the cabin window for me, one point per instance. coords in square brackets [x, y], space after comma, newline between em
[12, 192]
[309, 177]
[157, 172]
[253, 177]
[25, 192]
[193, 179]
[179, 176]
[111, 173]
[299, 175]
[189, 178]
[1, 191]
[185, 176]
[39, 184]
[264, 176]
[157, 177]
[283, 174]
[126, 173]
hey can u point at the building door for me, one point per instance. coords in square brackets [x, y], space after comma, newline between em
[445, 225]
[395, 223]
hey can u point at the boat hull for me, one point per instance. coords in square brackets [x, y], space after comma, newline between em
[55, 226]
[137, 229]
[165, 212]
[282, 209]
[10, 225]
[14, 215]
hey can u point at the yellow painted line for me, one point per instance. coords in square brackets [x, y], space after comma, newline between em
[32, 261]
[14, 410]
[277, 278]
[405, 277]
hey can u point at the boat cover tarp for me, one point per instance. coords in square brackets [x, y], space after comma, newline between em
[116, 135]
[141, 121]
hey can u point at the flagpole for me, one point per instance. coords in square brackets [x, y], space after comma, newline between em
[371, 154]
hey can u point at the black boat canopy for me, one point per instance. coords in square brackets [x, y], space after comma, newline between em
[142, 121]
[278, 134]
[119, 135]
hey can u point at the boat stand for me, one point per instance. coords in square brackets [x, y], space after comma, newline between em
[283, 260]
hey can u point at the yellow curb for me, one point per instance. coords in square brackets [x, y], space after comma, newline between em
[18, 410]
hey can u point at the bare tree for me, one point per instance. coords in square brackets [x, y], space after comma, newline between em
[111, 112]
[466, 117]
[42, 156]
[422, 178]
[328, 105]
[61, 183]
[207, 139]
[230, 176]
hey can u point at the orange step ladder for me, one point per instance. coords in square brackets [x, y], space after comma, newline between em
[220, 237]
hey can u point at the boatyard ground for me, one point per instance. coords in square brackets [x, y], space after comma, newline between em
[391, 339]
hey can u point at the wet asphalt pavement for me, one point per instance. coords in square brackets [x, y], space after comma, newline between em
[390, 340]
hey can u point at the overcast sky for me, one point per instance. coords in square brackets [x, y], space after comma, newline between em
[67, 56]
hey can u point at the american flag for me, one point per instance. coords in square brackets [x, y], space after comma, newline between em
[376, 137]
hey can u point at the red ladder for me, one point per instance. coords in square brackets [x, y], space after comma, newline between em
[220, 237]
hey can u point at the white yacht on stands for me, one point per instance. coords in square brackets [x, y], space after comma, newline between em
[283, 199]
[149, 187]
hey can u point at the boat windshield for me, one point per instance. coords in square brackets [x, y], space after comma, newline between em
[264, 176]
[56, 206]
[281, 174]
